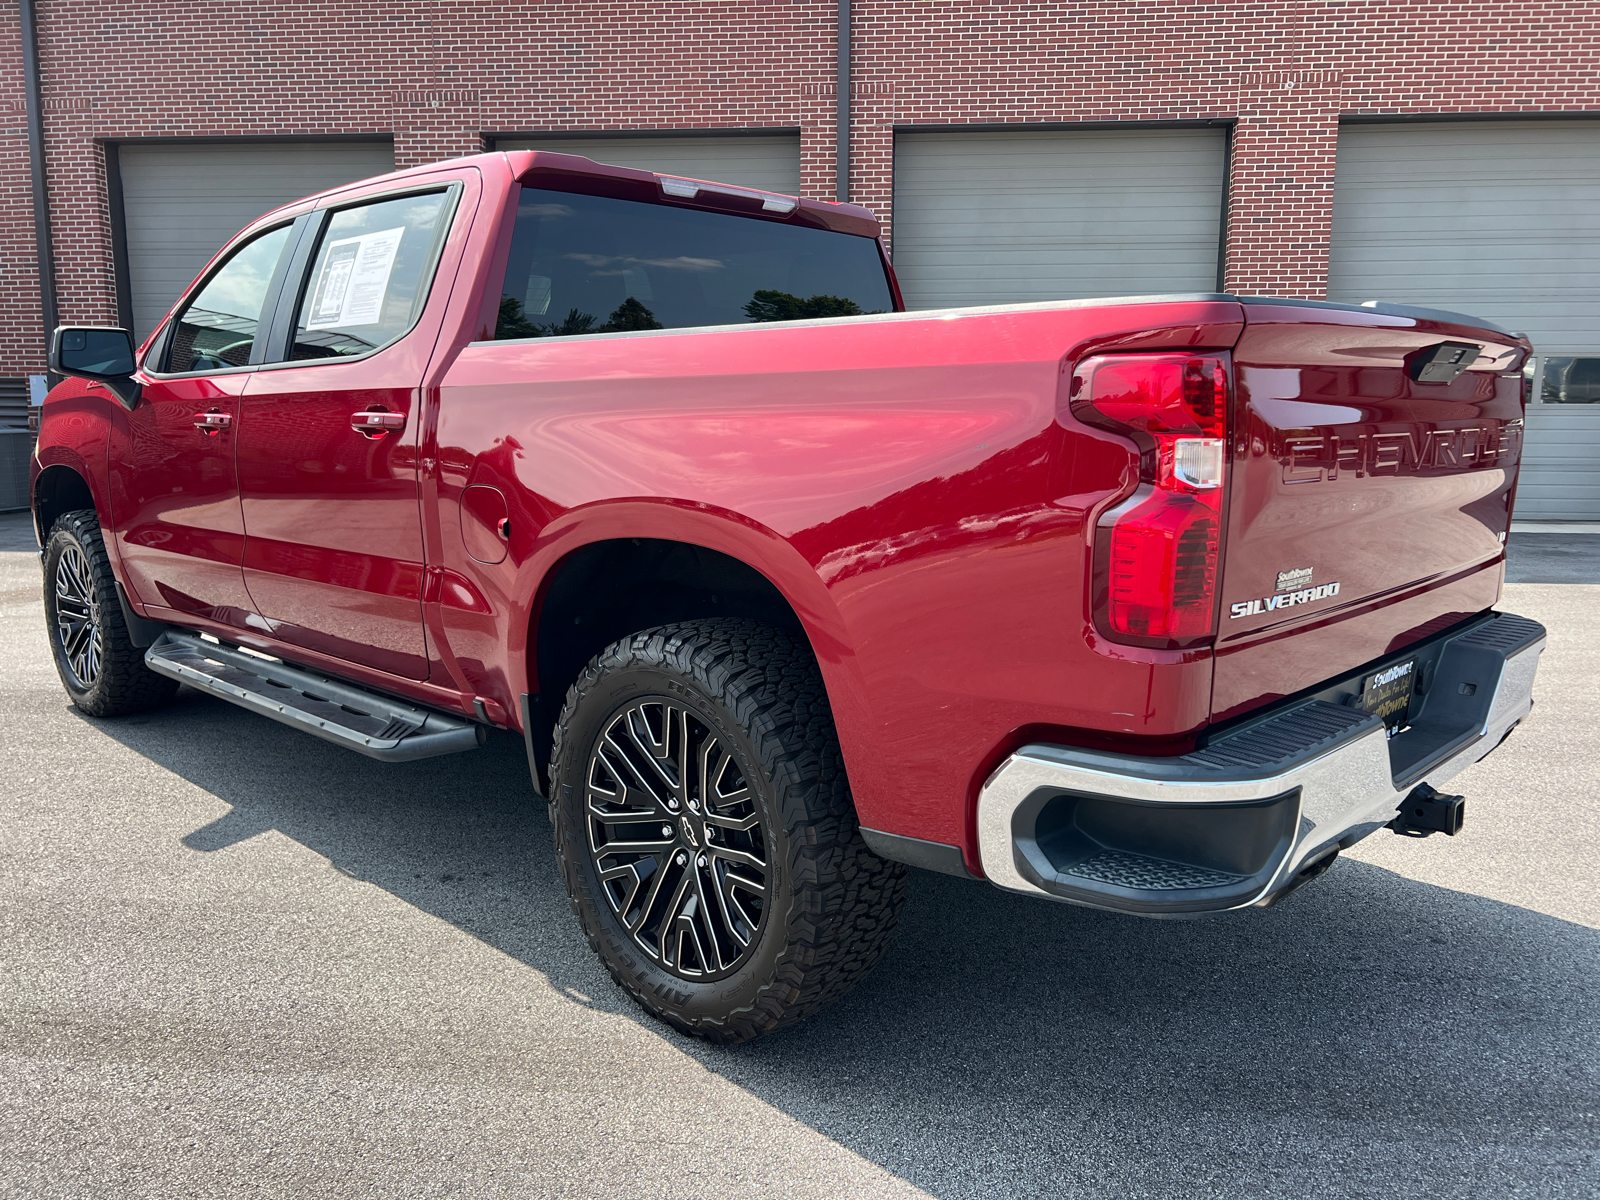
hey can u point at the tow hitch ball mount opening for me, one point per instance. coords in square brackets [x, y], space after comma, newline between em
[1426, 811]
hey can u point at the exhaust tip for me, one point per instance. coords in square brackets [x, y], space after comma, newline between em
[1312, 870]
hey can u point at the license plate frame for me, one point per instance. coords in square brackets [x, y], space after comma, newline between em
[1389, 691]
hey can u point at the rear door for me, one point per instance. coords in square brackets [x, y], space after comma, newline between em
[328, 438]
[1370, 489]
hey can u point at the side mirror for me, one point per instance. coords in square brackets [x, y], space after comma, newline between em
[104, 355]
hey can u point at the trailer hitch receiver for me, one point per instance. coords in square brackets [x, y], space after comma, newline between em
[1426, 811]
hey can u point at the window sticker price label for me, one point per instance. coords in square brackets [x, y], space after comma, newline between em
[354, 280]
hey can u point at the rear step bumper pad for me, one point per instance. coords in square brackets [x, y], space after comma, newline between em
[1259, 810]
[331, 709]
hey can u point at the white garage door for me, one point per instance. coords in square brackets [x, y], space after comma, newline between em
[1502, 220]
[770, 163]
[182, 202]
[997, 218]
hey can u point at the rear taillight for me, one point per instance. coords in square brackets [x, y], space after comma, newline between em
[1156, 553]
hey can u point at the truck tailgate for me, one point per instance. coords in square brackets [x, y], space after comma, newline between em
[1368, 508]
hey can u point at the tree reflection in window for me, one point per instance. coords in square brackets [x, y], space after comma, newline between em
[629, 316]
[781, 306]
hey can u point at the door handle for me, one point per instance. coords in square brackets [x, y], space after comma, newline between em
[377, 424]
[213, 423]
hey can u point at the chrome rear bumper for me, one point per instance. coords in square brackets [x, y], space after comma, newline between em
[1240, 821]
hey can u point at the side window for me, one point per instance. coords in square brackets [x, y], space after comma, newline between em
[370, 276]
[218, 328]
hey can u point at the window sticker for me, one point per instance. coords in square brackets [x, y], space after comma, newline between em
[353, 280]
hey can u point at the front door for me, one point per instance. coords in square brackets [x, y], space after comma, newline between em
[174, 493]
[327, 440]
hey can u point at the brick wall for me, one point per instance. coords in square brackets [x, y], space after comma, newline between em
[439, 75]
[19, 286]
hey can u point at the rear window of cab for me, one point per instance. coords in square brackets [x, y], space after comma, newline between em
[594, 264]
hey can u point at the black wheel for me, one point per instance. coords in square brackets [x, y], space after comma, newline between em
[704, 826]
[101, 668]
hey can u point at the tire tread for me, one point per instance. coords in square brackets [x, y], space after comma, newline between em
[125, 685]
[844, 901]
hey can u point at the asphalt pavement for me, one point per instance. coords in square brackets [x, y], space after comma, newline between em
[236, 961]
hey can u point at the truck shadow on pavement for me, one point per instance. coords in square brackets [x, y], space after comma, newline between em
[1373, 1035]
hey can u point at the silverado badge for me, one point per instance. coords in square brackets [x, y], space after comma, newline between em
[1293, 587]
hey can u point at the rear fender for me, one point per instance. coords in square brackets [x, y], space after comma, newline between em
[728, 533]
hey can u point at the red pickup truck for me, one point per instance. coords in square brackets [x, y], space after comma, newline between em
[1150, 604]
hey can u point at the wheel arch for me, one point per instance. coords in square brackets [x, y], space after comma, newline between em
[622, 567]
[60, 488]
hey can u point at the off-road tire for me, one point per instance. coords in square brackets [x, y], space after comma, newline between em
[832, 905]
[123, 684]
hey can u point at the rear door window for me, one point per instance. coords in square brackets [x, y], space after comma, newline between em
[218, 328]
[369, 278]
[593, 264]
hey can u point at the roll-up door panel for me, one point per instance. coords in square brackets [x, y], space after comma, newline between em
[1558, 464]
[1500, 219]
[181, 203]
[768, 162]
[1004, 217]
